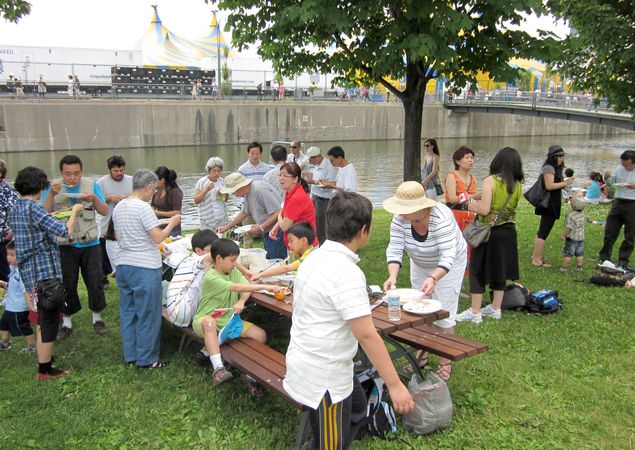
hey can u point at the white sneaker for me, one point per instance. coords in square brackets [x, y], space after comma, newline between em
[468, 316]
[488, 311]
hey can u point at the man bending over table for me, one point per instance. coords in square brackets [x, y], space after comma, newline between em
[331, 315]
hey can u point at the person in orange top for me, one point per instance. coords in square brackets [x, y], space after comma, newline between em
[460, 186]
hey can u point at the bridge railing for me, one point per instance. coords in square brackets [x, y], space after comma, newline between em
[533, 100]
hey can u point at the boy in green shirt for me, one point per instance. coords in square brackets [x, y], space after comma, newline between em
[224, 287]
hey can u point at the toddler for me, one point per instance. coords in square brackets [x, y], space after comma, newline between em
[573, 235]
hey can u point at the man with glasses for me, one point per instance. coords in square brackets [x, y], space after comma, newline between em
[296, 155]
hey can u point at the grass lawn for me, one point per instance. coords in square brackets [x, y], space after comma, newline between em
[560, 381]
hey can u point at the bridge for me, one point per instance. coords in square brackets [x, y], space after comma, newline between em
[541, 104]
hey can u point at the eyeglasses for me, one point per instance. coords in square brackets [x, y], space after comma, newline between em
[284, 175]
[294, 146]
[427, 145]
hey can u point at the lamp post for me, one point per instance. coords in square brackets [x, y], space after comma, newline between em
[218, 74]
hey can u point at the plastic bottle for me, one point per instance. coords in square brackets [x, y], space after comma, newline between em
[394, 306]
[34, 297]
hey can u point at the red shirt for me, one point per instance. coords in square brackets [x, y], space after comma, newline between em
[299, 208]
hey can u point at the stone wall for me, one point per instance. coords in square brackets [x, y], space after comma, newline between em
[89, 124]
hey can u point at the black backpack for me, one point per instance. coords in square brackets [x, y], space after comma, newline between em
[380, 418]
[605, 276]
[515, 297]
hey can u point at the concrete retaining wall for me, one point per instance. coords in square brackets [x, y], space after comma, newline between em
[89, 124]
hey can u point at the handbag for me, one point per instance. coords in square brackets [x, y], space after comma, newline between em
[476, 233]
[51, 294]
[538, 195]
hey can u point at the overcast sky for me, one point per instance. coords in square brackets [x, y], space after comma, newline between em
[116, 24]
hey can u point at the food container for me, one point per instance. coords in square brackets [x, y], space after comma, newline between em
[253, 257]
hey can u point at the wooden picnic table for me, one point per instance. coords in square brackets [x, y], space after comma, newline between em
[383, 325]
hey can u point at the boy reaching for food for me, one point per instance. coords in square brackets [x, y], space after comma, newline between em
[225, 288]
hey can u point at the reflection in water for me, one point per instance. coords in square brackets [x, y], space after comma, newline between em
[379, 164]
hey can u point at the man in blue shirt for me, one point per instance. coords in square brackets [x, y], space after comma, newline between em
[83, 250]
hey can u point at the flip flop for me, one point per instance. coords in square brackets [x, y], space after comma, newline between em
[543, 264]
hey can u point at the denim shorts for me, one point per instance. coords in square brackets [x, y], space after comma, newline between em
[573, 248]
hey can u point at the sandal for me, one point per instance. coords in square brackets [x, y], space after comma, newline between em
[155, 365]
[444, 371]
[424, 361]
[543, 264]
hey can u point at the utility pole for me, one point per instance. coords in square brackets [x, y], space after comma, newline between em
[218, 74]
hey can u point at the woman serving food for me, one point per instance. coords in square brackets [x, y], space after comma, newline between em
[427, 231]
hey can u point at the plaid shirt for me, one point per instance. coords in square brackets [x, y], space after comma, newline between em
[36, 250]
[8, 197]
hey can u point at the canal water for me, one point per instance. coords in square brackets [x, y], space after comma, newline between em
[379, 164]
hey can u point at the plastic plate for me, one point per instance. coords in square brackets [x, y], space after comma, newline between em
[406, 295]
[426, 306]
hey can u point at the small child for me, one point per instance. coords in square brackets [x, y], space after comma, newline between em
[573, 235]
[224, 287]
[15, 319]
[301, 236]
[331, 318]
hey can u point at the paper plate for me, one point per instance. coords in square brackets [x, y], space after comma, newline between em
[72, 195]
[286, 277]
[243, 229]
[620, 184]
[426, 306]
[406, 295]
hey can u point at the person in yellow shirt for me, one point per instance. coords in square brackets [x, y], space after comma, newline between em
[301, 236]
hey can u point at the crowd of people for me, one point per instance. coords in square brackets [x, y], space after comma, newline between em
[115, 225]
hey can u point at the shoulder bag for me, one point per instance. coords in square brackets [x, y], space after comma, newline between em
[51, 293]
[538, 195]
[476, 233]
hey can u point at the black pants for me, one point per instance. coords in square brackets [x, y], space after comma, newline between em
[334, 425]
[544, 229]
[320, 204]
[88, 259]
[622, 214]
[106, 267]
[4, 264]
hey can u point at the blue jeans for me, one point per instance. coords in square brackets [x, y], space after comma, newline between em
[275, 249]
[140, 313]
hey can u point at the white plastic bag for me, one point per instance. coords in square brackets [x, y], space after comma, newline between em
[433, 405]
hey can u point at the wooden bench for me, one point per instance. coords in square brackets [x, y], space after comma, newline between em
[435, 340]
[264, 364]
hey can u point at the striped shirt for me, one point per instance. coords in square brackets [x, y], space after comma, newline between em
[443, 245]
[133, 220]
[212, 211]
[322, 346]
[254, 172]
[36, 249]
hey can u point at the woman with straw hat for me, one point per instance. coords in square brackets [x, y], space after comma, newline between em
[427, 231]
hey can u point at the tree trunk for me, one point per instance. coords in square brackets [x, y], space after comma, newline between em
[412, 100]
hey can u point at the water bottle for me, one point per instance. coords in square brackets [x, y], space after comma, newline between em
[394, 306]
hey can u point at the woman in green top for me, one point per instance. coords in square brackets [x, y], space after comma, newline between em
[496, 261]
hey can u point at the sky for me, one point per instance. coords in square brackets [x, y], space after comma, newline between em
[119, 24]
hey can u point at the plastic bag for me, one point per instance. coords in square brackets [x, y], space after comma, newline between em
[433, 405]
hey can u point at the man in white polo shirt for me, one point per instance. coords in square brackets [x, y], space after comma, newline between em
[346, 173]
[321, 170]
[331, 316]
[296, 154]
[254, 168]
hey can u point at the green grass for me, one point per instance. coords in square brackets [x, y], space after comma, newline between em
[560, 381]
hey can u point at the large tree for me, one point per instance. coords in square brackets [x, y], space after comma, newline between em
[599, 54]
[14, 10]
[373, 41]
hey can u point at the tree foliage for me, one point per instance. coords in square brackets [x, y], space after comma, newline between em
[374, 41]
[599, 55]
[14, 10]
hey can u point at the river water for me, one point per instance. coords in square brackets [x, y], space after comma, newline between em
[379, 164]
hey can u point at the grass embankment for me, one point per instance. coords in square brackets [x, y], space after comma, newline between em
[560, 381]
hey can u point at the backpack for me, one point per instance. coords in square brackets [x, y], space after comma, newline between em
[606, 276]
[515, 297]
[380, 417]
[543, 302]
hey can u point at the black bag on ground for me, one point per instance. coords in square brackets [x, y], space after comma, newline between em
[51, 294]
[515, 297]
[538, 195]
[608, 277]
[380, 417]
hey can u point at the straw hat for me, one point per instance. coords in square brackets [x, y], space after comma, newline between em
[234, 182]
[410, 197]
